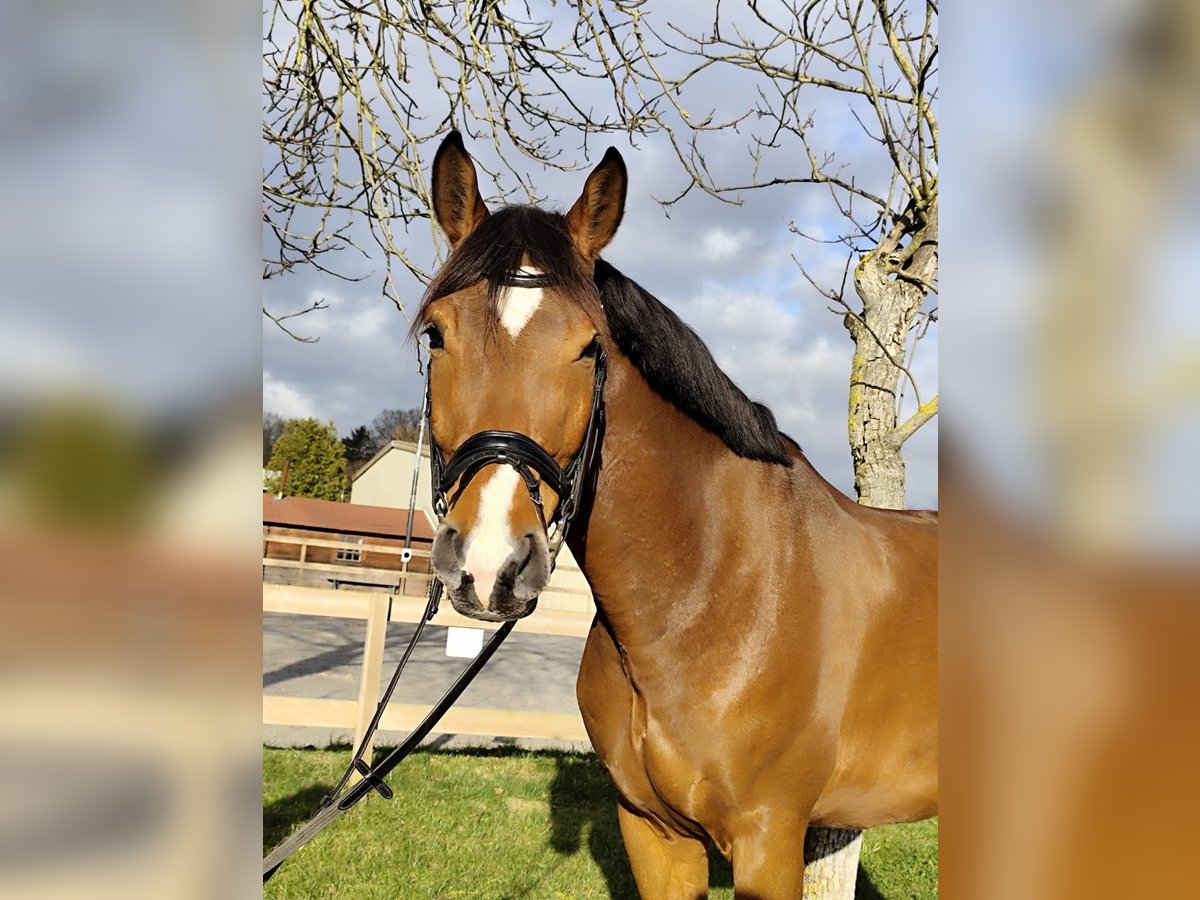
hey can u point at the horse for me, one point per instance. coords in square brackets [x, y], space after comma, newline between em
[764, 653]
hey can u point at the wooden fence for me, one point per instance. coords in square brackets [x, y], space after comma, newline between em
[378, 608]
[410, 576]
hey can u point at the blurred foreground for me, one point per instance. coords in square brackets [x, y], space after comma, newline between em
[129, 451]
[1070, 477]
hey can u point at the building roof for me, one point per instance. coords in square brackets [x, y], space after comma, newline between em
[345, 518]
[383, 451]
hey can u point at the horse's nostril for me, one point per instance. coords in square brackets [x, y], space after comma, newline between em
[446, 555]
[532, 572]
[526, 559]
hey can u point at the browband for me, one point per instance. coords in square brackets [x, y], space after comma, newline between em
[529, 279]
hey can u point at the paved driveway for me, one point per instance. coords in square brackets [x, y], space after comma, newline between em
[316, 656]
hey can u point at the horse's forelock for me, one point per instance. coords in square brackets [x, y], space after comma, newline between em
[509, 240]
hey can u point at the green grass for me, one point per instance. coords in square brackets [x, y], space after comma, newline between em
[502, 824]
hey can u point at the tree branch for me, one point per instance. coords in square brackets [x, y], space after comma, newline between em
[924, 413]
[316, 305]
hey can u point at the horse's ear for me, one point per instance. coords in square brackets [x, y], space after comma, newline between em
[594, 218]
[456, 202]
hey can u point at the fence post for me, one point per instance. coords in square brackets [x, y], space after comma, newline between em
[372, 669]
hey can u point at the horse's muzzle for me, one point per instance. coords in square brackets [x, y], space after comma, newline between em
[514, 588]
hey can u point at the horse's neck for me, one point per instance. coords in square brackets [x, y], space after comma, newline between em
[669, 499]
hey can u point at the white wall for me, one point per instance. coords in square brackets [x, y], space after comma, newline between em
[387, 481]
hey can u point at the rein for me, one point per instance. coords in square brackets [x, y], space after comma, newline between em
[536, 467]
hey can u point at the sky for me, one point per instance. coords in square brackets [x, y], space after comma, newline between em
[726, 270]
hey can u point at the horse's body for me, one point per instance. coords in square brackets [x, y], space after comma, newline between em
[765, 655]
[765, 652]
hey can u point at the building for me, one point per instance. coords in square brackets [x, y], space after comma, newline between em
[386, 480]
[322, 543]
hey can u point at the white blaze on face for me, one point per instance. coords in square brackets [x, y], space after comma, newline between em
[518, 305]
[491, 541]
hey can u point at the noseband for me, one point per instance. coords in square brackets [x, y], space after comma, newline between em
[535, 466]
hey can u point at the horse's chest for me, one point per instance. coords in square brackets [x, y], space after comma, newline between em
[658, 769]
[652, 749]
[676, 768]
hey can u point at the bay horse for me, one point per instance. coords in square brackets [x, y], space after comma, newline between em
[764, 655]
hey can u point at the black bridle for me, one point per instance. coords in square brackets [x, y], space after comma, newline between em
[535, 466]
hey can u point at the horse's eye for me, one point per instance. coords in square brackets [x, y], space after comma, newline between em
[591, 350]
[434, 337]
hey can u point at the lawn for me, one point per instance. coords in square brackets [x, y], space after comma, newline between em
[502, 824]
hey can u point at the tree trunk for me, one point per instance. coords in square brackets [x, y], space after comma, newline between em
[831, 863]
[878, 465]
[892, 283]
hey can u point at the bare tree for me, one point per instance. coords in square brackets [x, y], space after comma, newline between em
[395, 425]
[272, 429]
[345, 133]
[881, 58]
[345, 138]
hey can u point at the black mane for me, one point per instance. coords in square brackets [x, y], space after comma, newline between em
[680, 368]
[670, 355]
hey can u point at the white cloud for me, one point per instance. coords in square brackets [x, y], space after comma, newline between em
[787, 357]
[285, 400]
[369, 321]
[720, 244]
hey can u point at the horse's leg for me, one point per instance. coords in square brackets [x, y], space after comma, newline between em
[666, 865]
[768, 861]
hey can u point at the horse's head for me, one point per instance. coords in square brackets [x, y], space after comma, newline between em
[516, 331]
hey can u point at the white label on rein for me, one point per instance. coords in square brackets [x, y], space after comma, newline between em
[464, 643]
